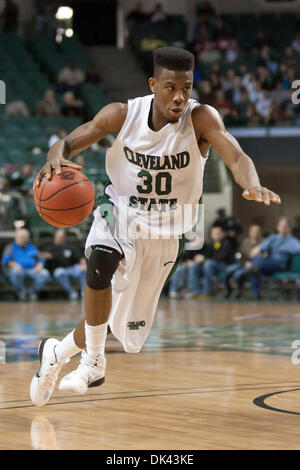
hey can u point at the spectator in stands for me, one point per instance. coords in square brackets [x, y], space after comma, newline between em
[137, 15]
[209, 54]
[227, 80]
[242, 106]
[158, 14]
[206, 95]
[72, 106]
[278, 94]
[66, 263]
[185, 278]
[60, 134]
[291, 58]
[230, 226]
[239, 271]
[222, 104]
[21, 262]
[147, 46]
[71, 78]
[80, 160]
[264, 106]
[48, 106]
[151, 42]
[296, 43]
[17, 108]
[219, 255]
[262, 40]
[272, 255]
[22, 179]
[232, 53]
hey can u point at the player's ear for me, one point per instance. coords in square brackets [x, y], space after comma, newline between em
[152, 84]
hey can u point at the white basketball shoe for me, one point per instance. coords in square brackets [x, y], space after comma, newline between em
[89, 373]
[43, 383]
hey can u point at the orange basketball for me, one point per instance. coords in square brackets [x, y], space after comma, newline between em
[66, 200]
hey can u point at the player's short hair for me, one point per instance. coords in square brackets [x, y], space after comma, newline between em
[172, 58]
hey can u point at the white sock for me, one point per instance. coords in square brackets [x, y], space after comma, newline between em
[66, 348]
[95, 338]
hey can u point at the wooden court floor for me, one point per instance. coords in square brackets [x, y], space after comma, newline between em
[212, 376]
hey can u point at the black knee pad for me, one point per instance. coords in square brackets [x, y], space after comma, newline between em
[101, 266]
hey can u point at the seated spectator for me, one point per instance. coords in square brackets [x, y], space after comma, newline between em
[147, 46]
[221, 104]
[158, 14]
[264, 106]
[219, 255]
[243, 105]
[296, 43]
[17, 108]
[272, 255]
[291, 58]
[209, 54]
[48, 106]
[239, 271]
[71, 78]
[278, 94]
[21, 262]
[151, 42]
[262, 40]
[80, 160]
[66, 263]
[227, 80]
[23, 178]
[206, 95]
[72, 106]
[186, 280]
[232, 53]
[230, 226]
[60, 134]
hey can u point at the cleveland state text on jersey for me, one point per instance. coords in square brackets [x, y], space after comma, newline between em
[159, 183]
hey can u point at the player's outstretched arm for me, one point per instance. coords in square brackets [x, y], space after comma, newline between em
[108, 121]
[211, 129]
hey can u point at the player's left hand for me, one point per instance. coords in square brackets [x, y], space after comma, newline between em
[260, 194]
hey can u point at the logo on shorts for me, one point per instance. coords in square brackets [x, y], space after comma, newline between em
[135, 325]
[169, 262]
[68, 175]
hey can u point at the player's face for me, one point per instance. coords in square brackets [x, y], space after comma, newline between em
[172, 90]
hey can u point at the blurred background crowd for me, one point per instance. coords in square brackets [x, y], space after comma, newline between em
[53, 84]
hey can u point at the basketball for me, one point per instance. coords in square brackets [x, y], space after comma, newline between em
[65, 200]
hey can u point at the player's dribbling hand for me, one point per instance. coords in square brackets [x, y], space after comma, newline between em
[260, 194]
[53, 164]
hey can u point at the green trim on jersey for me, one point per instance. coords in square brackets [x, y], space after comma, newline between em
[107, 208]
[178, 259]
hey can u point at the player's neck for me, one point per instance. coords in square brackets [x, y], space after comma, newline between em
[155, 119]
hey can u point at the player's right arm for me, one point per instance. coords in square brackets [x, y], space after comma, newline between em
[108, 121]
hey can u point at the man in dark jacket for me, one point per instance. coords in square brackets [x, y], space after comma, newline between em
[219, 255]
[66, 263]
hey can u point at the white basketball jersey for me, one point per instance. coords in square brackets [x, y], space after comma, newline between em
[156, 176]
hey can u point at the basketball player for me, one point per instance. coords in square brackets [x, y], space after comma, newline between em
[155, 167]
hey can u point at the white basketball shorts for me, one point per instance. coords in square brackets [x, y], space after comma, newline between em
[137, 283]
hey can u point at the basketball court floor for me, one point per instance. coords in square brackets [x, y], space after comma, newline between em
[213, 375]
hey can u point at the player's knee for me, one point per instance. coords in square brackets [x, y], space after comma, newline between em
[101, 267]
